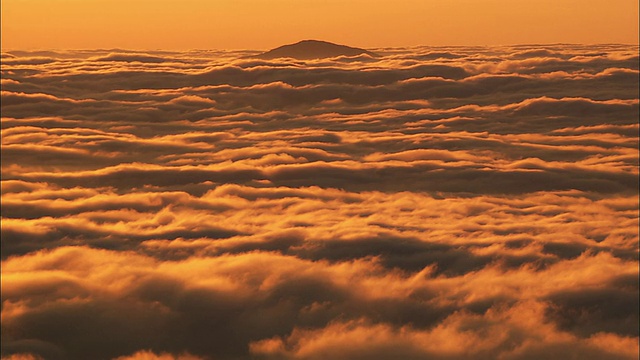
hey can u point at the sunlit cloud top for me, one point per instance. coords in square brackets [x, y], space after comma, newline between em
[433, 202]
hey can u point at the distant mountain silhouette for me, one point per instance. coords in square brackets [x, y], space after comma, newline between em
[313, 49]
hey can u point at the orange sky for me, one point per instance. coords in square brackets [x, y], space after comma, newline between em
[261, 24]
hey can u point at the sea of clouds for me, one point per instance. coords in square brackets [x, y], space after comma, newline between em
[429, 203]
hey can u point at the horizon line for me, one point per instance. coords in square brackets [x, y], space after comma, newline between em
[33, 49]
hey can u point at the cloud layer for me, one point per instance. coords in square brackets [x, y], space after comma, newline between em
[440, 203]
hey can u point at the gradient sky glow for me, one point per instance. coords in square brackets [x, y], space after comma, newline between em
[259, 24]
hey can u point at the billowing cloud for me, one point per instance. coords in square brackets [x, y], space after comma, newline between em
[441, 203]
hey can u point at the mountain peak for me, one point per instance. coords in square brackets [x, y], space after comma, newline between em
[313, 49]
